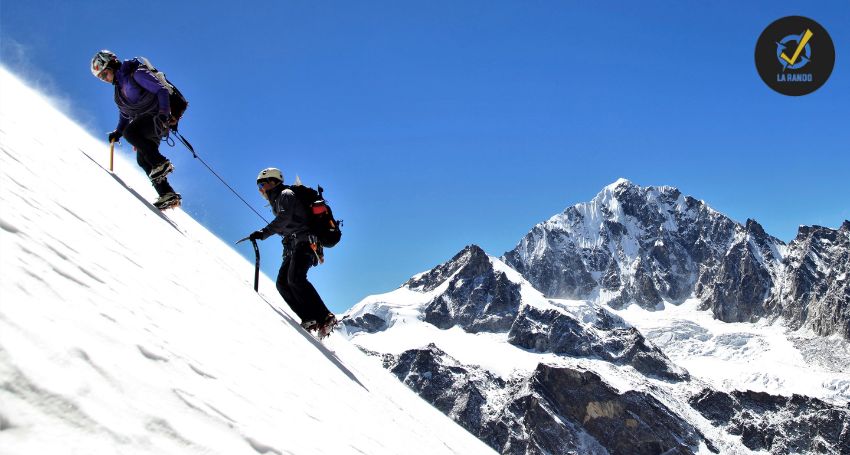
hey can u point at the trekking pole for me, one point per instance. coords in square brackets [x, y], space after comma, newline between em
[256, 263]
[111, 154]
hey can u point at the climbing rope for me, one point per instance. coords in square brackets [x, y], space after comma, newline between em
[192, 149]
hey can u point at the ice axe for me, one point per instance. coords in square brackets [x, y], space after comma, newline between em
[256, 262]
[111, 154]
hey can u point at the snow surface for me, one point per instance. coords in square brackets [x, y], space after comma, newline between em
[745, 356]
[125, 331]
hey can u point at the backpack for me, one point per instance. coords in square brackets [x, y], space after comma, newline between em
[320, 218]
[178, 102]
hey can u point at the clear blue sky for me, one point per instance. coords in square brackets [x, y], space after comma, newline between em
[437, 124]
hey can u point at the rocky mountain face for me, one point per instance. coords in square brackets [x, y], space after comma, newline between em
[651, 245]
[553, 410]
[607, 338]
[778, 424]
[478, 297]
[815, 290]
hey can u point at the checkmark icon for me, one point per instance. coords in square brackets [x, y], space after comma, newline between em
[806, 37]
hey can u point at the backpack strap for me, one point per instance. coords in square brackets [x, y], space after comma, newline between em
[143, 62]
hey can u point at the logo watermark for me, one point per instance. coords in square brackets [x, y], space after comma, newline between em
[795, 56]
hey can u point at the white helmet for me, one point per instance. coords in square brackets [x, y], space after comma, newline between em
[270, 173]
[100, 61]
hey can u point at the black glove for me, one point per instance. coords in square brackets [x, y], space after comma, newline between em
[257, 235]
[114, 136]
[164, 119]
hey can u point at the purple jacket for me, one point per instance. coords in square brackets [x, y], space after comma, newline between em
[138, 92]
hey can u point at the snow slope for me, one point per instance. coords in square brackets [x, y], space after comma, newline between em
[123, 331]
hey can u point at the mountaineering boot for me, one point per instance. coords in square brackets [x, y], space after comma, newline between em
[309, 325]
[159, 173]
[327, 326]
[168, 201]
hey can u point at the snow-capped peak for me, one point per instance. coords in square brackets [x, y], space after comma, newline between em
[430, 295]
[617, 183]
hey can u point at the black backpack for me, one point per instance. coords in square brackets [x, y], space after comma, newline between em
[178, 102]
[320, 218]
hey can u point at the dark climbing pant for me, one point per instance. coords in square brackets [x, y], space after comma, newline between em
[143, 134]
[293, 286]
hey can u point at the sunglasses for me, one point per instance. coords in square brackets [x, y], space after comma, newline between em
[262, 183]
[102, 75]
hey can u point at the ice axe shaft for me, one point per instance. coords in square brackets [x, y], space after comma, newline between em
[256, 262]
[111, 155]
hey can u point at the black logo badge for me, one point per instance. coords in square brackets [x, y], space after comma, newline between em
[795, 55]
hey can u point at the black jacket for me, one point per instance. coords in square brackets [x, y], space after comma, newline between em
[290, 215]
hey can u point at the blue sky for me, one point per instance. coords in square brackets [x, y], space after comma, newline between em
[433, 125]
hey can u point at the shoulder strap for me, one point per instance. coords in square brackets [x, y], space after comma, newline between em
[144, 62]
[147, 63]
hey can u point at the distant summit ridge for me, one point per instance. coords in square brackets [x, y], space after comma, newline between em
[654, 245]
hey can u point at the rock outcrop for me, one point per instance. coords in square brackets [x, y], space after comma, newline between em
[778, 424]
[554, 410]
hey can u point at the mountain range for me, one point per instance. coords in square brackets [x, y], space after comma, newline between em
[643, 321]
